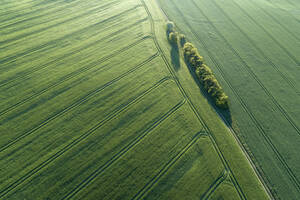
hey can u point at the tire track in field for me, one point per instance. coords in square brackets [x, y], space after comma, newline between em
[287, 80]
[74, 73]
[71, 75]
[118, 155]
[18, 8]
[292, 3]
[52, 44]
[247, 67]
[246, 109]
[283, 10]
[14, 23]
[47, 45]
[275, 20]
[87, 13]
[91, 131]
[192, 106]
[35, 69]
[267, 32]
[76, 104]
[215, 185]
[167, 166]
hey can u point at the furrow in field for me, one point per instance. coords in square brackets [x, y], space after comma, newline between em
[215, 185]
[72, 75]
[287, 80]
[256, 123]
[24, 118]
[19, 137]
[101, 145]
[283, 26]
[34, 58]
[117, 156]
[143, 160]
[248, 68]
[267, 32]
[192, 170]
[167, 166]
[53, 41]
[292, 3]
[82, 137]
[241, 193]
[62, 75]
[23, 6]
[53, 12]
[33, 34]
[225, 189]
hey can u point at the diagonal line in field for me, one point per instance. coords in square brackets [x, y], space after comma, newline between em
[77, 103]
[167, 166]
[215, 185]
[52, 43]
[130, 146]
[34, 171]
[72, 75]
[102, 7]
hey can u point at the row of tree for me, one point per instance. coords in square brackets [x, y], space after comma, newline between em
[205, 75]
[203, 72]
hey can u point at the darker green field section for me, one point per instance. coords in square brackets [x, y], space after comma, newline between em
[253, 50]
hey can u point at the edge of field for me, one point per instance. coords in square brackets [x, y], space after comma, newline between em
[239, 160]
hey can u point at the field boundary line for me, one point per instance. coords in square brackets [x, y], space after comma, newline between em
[192, 106]
[102, 7]
[49, 44]
[82, 137]
[72, 75]
[274, 19]
[246, 109]
[168, 165]
[121, 153]
[215, 185]
[77, 103]
[267, 32]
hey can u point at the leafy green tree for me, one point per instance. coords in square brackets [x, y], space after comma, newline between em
[173, 38]
[170, 27]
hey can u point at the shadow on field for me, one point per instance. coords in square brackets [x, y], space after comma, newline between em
[225, 114]
[175, 56]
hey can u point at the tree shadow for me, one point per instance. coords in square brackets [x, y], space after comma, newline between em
[225, 114]
[175, 57]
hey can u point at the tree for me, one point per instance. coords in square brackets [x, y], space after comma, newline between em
[173, 38]
[170, 27]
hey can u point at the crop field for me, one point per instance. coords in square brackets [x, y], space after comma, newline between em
[253, 47]
[93, 107]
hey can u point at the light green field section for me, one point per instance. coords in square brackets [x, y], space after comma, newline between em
[91, 107]
[253, 48]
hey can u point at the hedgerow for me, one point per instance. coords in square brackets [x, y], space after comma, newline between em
[205, 75]
[202, 71]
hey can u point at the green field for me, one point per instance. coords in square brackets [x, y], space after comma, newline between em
[253, 48]
[92, 106]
